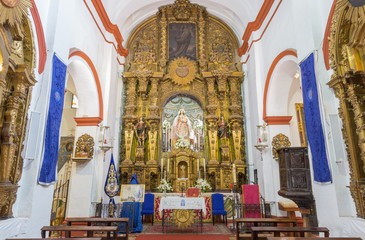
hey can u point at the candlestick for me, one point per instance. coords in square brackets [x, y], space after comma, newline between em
[205, 169]
[161, 168]
[197, 168]
[168, 166]
[234, 173]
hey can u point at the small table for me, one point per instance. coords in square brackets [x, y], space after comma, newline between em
[182, 203]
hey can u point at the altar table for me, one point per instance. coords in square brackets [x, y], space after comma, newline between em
[182, 203]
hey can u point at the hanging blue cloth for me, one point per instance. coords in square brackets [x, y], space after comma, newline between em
[313, 121]
[132, 210]
[48, 170]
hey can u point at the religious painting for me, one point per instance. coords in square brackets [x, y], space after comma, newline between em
[65, 151]
[182, 41]
[132, 193]
[183, 123]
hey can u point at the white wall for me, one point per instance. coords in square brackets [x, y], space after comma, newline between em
[300, 25]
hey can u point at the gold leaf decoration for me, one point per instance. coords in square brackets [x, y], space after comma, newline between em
[279, 141]
[13, 11]
[183, 218]
[182, 71]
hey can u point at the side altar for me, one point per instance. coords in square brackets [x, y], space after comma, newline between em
[182, 101]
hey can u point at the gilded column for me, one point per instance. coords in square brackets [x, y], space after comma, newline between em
[212, 118]
[12, 135]
[130, 116]
[201, 25]
[153, 118]
[355, 90]
[163, 41]
[236, 117]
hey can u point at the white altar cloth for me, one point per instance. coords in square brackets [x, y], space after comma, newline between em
[182, 203]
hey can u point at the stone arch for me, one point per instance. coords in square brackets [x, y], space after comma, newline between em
[83, 72]
[280, 74]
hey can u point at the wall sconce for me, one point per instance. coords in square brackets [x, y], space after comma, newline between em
[261, 144]
[106, 143]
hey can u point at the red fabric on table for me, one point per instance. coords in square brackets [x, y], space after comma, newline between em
[193, 192]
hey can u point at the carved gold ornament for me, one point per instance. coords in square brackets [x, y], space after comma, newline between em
[183, 218]
[84, 146]
[13, 11]
[279, 141]
[182, 71]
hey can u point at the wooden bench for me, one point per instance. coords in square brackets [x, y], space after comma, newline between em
[89, 229]
[278, 230]
[54, 239]
[257, 221]
[93, 220]
[311, 238]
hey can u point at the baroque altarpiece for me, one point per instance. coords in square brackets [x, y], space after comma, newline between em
[182, 114]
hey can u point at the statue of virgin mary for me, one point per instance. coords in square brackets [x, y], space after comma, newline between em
[182, 132]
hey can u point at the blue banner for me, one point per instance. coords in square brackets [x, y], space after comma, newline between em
[49, 164]
[111, 186]
[313, 121]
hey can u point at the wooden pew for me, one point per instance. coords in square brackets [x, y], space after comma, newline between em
[311, 238]
[278, 230]
[89, 229]
[257, 221]
[107, 221]
[54, 239]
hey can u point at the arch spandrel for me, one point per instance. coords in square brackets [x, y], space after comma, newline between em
[183, 50]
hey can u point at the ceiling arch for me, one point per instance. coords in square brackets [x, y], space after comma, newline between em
[127, 14]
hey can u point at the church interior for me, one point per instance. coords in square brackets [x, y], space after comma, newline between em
[182, 118]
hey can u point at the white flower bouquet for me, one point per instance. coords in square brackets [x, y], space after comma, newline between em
[166, 125]
[182, 143]
[203, 185]
[164, 186]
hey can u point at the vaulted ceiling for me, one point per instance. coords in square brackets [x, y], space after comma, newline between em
[120, 17]
[127, 14]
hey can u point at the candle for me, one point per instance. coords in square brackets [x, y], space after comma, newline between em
[231, 185]
[161, 168]
[197, 168]
[168, 165]
[205, 170]
[234, 173]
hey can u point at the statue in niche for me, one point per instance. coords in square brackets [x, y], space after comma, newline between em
[223, 129]
[182, 134]
[140, 130]
[182, 170]
[182, 40]
[82, 153]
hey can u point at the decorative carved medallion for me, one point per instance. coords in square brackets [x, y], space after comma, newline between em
[183, 218]
[85, 146]
[14, 10]
[182, 9]
[182, 71]
[279, 141]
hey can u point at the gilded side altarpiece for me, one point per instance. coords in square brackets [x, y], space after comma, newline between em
[347, 54]
[181, 76]
[17, 60]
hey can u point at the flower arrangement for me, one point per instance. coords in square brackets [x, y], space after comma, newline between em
[203, 185]
[166, 124]
[182, 143]
[164, 186]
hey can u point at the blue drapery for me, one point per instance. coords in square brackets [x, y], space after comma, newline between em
[49, 164]
[313, 121]
[127, 211]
